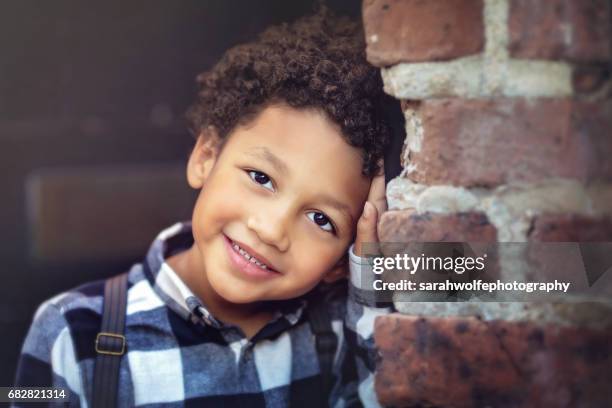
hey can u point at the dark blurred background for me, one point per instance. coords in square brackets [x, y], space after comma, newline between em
[93, 140]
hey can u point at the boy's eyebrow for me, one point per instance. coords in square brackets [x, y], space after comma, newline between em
[340, 206]
[265, 154]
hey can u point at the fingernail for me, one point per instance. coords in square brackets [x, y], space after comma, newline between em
[367, 210]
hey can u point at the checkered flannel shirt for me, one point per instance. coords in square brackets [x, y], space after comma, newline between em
[178, 354]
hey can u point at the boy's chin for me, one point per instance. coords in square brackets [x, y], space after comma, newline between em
[238, 295]
[244, 296]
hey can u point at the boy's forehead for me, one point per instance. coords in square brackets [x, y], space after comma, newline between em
[281, 133]
[301, 143]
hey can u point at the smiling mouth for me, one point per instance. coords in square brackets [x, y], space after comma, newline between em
[250, 258]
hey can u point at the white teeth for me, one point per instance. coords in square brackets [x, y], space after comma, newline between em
[248, 257]
[244, 253]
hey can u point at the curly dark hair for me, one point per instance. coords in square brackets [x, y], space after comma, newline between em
[316, 62]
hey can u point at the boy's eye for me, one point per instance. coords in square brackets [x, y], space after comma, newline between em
[261, 178]
[321, 220]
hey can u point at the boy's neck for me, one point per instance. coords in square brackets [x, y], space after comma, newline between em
[249, 317]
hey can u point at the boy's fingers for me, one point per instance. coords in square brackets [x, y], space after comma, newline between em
[377, 193]
[366, 227]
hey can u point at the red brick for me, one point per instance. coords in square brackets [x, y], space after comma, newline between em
[408, 226]
[591, 124]
[570, 228]
[408, 232]
[414, 30]
[571, 248]
[560, 29]
[588, 79]
[466, 362]
[491, 142]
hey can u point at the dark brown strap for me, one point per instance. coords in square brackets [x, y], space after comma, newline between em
[110, 343]
[326, 343]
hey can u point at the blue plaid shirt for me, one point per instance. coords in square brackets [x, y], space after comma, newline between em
[179, 354]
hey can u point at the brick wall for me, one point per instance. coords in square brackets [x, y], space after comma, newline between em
[508, 107]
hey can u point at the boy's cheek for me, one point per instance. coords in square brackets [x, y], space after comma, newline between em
[319, 260]
[217, 198]
[210, 214]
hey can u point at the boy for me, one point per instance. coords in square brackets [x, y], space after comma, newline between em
[288, 142]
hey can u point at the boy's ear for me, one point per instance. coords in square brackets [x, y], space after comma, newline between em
[203, 158]
[339, 271]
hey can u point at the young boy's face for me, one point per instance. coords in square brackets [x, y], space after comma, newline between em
[288, 190]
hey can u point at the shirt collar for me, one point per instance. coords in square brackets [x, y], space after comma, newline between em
[175, 293]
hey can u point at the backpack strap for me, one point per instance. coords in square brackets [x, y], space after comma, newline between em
[325, 343]
[110, 343]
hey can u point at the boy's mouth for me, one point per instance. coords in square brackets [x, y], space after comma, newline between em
[250, 255]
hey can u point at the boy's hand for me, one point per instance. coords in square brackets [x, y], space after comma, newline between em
[367, 226]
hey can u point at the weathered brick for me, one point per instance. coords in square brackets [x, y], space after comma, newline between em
[413, 30]
[408, 226]
[491, 142]
[571, 248]
[438, 235]
[467, 362]
[588, 79]
[560, 29]
[570, 228]
[591, 124]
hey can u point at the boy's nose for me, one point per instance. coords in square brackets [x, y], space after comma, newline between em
[272, 230]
